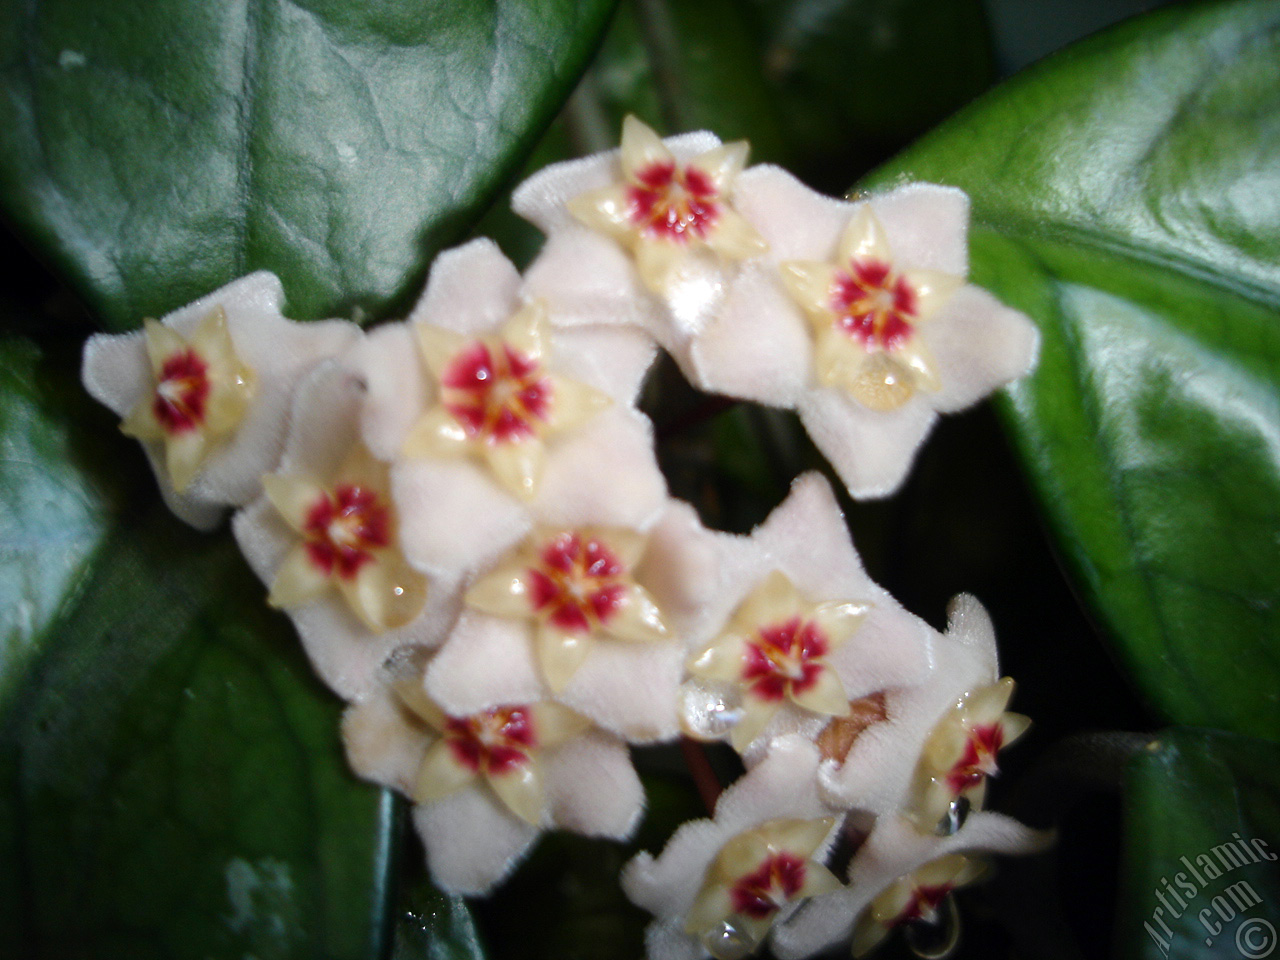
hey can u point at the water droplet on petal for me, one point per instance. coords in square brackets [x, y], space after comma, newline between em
[708, 711]
[882, 383]
[727, 942]
[957, 813]
[937, 938]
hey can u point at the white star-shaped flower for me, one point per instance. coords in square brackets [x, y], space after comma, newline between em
[720, 885]
[648, 234]
[791, 631]
[486, 783]
[326, 537]
[859, 318]
[207, 390]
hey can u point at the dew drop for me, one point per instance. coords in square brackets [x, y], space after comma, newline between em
[938, 938]
[708, 711]
[727, 942]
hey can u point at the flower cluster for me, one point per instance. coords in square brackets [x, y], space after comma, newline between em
[464, 517]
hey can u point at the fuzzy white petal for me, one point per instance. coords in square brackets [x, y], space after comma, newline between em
[758, 347]
[871, 450]
[471, 290]
[592, 788]
[979, 345]
[116, 373]
[472, 840]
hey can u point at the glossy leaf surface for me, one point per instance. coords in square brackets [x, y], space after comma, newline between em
[1202, 840]
[156, 152]
[1124, 195]
[171, 781]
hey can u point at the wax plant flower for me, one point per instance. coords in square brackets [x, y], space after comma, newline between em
[887, 767]
[859, 319]
[207, 390]
[494, 418]
[578, 587]
[792, 629]
[325, 538]
[497, 400]
[579, 613]
[899, 874]
[721, 885]
[960, 753]
[646, 235]
[485, 784]
[665, 210]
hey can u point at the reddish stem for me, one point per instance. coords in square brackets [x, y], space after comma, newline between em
[704, 778]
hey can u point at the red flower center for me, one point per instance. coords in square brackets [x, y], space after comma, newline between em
[344, 527]
[777, 881]
[671, 202]
[578, 584]
[182, 393]
[923, 904]
[874, 304]
[493, 742]
[784, 659]
[498, 395]
[978, 759]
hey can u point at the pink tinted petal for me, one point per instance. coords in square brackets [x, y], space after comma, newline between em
[610, 359]
[453, 518]
[758, 347]
[472, 840]
[586, 278]
[384, 743]
[807, 538]
[388, 363]
[344, 652]
[541, 198]
[471, 289]
[926, 226]
[681, 569]
[592, 787]
[779, 787]
[798, 223]
[871, 450]
[629, 688]
[979, 345]
[486, 661]
[603, 473]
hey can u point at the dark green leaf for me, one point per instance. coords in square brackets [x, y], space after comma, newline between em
[434, 926]
[1125, 197]
[171, 777]
[157, 151]
[174, 781]
[53, 515]
[1202, 837]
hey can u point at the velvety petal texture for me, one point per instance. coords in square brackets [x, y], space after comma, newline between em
[780, 788]
[858, 318]
[894, 849]
[876, 774]
[646, 235]
[128, 371]
[848, 638]
[345, 648]
[497, 776]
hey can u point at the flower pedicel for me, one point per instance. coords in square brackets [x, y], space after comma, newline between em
[464, 517]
